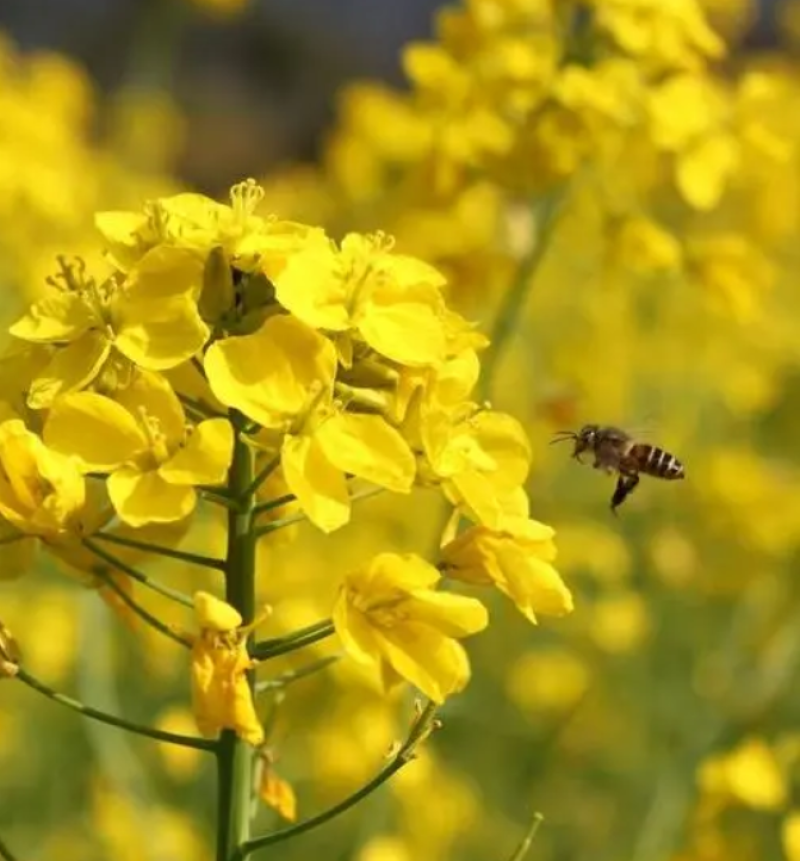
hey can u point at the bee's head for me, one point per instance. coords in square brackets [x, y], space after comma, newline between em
[584, 439]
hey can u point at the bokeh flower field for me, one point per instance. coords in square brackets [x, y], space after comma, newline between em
[599, 201]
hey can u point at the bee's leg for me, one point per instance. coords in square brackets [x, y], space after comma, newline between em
[625, 486]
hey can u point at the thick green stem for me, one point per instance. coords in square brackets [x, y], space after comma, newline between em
[235, 757]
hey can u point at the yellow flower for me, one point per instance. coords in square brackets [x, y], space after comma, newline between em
[689, 117]
[42, 491]
[274, 790]
[480, 458]
[749, 775]
[392, 301]
[735, 275]
[195, 223]
[221, 696]
[790, 835]
[150, 319]
[389, 615]
[142, 438]
[516, 561]
[644, 247]
[667, 34]
[282, 377]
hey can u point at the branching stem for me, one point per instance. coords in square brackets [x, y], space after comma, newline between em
[112, 720]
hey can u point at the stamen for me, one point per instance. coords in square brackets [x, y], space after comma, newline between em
[245, 197]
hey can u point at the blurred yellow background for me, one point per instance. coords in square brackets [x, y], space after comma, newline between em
[661, 719]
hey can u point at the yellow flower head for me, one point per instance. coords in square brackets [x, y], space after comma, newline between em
[42, 491]
[750, 775]
[150, 319]
[480, 457]
[197, 224]
[142, 438]
[389, 615]
[391, 302]
[282, 376]
[666, 34]
[221, 696]
[516, 561]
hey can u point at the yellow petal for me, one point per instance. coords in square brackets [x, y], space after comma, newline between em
[151, 394]
[122, 232]
[320, 488]
[405, 327]
[205, 458]
[215, 614]
[278, 794]
[355, 633]
[388, 572]
[144, 497]
[536, 587]
[99, 431]
[162, 274]
[72, 368]
[790, 836]
[453, 615]
[314, 289]
[369, 448]
[56, 317]
[274, 374]
[435, 664]
[161, 334]
[703, 171]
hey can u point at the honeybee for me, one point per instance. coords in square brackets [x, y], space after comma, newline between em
[616, 451]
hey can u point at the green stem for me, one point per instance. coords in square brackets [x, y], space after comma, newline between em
[273, 504]
[267, 649]
[210, 494]
[404, 755]
[202, 409]
[299, 517]
[262, 476]
[112, 720]
[291, 676]
[134, 574]
[143, 614]
[508, 315]
[522, 850]
[167, 552]
[235, 757]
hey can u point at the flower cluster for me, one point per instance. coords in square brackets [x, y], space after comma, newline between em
[332, 363]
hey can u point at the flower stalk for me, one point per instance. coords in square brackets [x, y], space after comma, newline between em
[235, 758]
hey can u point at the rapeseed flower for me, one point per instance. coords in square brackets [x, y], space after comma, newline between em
[517, 561]
[154, 457]
[221, 696]
[389, 615]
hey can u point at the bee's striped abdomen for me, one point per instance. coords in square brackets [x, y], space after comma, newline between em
[654, 461]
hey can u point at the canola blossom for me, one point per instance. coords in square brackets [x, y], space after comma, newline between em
[331, 393]
[226, 350]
